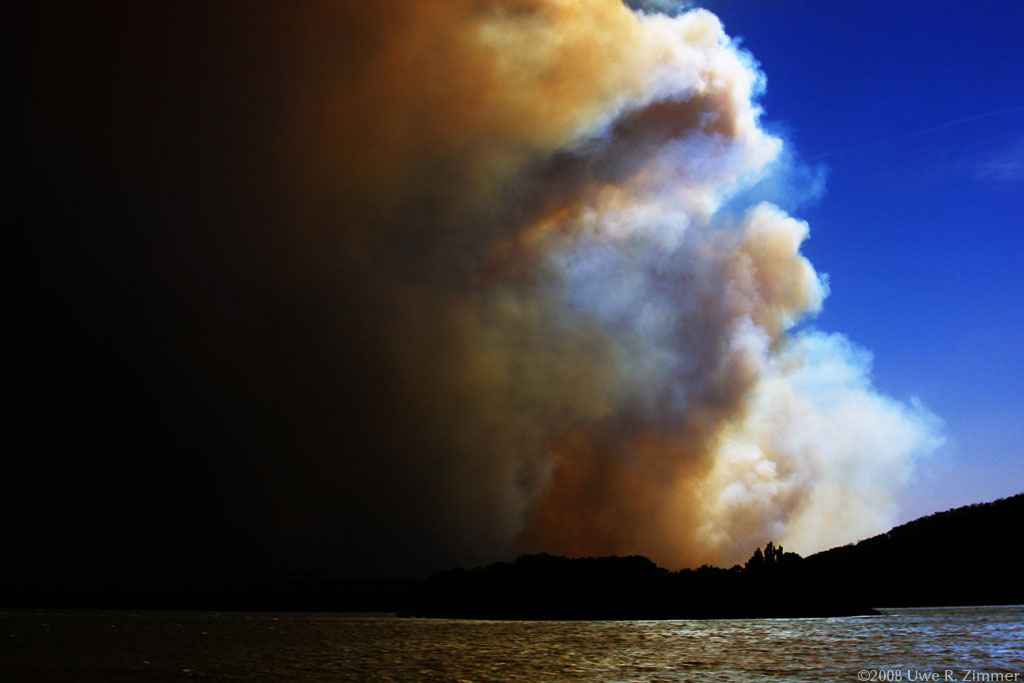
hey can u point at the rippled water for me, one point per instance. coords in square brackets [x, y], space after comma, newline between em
[169, 646]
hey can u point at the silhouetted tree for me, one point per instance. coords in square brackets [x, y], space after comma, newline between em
[755, 562]
[771, 557]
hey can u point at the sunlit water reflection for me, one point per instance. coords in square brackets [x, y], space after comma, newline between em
[170, 646]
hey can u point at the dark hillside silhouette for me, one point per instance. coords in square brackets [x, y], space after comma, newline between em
[963, 556]
[548, 587]
[959, 557]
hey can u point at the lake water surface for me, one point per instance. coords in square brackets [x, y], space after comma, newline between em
[955, 643]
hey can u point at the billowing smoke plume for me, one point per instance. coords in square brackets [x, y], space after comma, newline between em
[594, 359]
[368, 287]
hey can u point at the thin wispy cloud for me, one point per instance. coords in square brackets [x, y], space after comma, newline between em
[919, 133]
[1002, 166]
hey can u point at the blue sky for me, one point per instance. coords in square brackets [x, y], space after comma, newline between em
[913, 113]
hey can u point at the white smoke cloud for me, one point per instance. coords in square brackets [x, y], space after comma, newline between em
[796, 446]
[620, 371]
[821, 455]
[671, 7]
